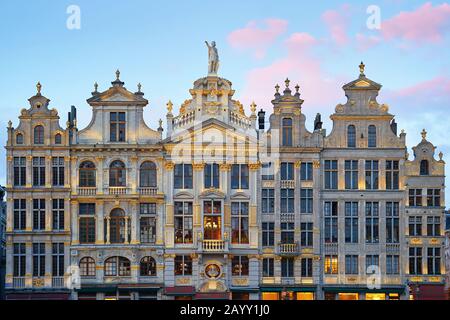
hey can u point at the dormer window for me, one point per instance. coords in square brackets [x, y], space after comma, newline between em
[424, 168]
[19, 138]
[39, 135]
[117, 126]
[58, 138]
[287, 132]
[351, 136]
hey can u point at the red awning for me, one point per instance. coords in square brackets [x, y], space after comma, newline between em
[187, 290]
[431, 292]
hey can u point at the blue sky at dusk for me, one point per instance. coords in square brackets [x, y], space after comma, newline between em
[160, 44]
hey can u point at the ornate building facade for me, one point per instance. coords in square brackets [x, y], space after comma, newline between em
[220, 206]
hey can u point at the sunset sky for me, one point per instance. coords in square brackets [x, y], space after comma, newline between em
[318, 45]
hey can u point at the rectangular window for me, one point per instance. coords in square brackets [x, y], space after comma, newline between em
[211, 176]
[306, 171]
[434, 261]
[212, 220]
[351, 222]
[239, 176]
[372, 263]
[434, 197]
[38, 259]
[415, 226]
[434, 226]
[268, 200]
[351, 264]
[239, 222]
[331, 221]
[415, 197]
[19, 171]
[351, 174]
[306, 234]
[287, 171]
[239, 266]
[306, 267]
[331, 174]
[268, 234]
[183, 176]
[306, 200]
[287, 267]
[183, 222]
[268, 267]
[38, 171]
[287, 232]
[392, 222]
[392, 264]
[58, 171]
[392, 175]
[331, 264]
[371, 174]
[58, 214]
[58, 269]
[38, 214]
[87, 223]
[19, 259]
[287, 200]
[117, 124]
[148, 222]
[372, 222]
[415, 261]
[20, 214]
[267, 171]
[183, 265]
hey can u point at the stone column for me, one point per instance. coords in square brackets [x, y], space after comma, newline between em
[108, 220]
[29, 264]
[100, 174]
[127, 221]
[74, 219]
[100, 222]
[9, 171]
[29, 215]
[133, 179]
[134, 223]
[10, 214]
[48, 264]
[29, 171]
[253, 212]
[48, 214]
[159, 222]
[169, 227]
[48, 171]
[68, 174]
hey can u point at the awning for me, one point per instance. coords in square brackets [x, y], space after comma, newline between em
[179, 291]
[95, 289]
[293, 289]
[212, 296]
[344, 289]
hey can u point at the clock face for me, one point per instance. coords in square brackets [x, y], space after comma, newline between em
[212, 271]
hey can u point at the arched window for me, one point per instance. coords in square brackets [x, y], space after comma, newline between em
[117, 226]
[117, 267]
[351, 136]
[148, 174]
[19, 138]
[39, 135]
[148, 267]
[58, 138]
[87, 174]
[87, 267]
[117, 174]
[287, 132]
[372, 140]
[424, 168]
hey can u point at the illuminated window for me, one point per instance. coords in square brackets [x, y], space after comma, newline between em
[212, 220]
[348, 296]
[375, 296]
[331, 264]
[270, 296]
[183, 265]
[305, 295]
[183, 222]
[148, 267]
[239, 266]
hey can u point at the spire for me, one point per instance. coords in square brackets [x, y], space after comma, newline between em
[362, 67]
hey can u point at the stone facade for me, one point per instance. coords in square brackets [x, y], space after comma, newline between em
[219, 207]
[2, 241]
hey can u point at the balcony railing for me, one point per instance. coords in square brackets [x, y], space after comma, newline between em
[117, 190]
[18, 282]
[287, 217]
[288, 184]
[213, 246]
[148, 191]
[87, 191]
[289, 249]
[58, 282]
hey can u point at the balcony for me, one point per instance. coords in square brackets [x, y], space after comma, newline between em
[148, 191]
[58, 282]
[288, 249]
[18, 282]
[87, 191]
[287, 217]
[117, 190]
[287, 184]
[214, 246]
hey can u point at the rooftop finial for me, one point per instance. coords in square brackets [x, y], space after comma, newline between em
[139, 87]
[287, 82]
[96, 87]
[253, 107]
[297, 88]
[10, 124]
[160, 123]
[424, 134]
[277, 88]
[117, 74]
[39, 88]
[362, 67]
[441, 156]
[169, 106]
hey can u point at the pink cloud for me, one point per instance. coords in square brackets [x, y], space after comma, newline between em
[336, 21]
[426, 24]
[301, 66]
[253, 37]
[436, 89]
[366, 42]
